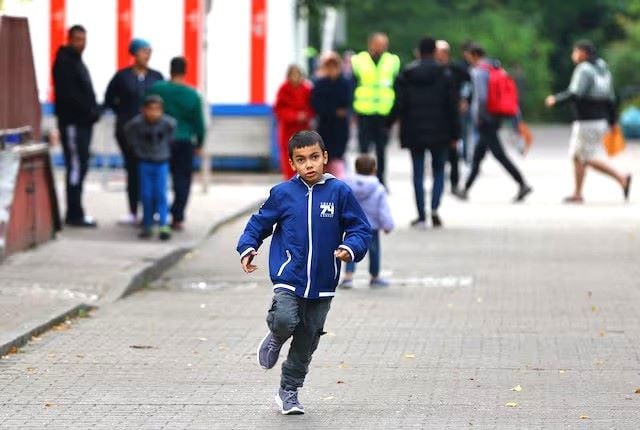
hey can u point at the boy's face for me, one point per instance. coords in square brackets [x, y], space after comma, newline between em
[152, 112]
[309, 163]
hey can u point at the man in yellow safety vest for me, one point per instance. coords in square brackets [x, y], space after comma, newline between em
[374, 72]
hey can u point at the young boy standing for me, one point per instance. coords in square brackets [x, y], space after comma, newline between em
[372, 196]
[150, 134]
[319, 224]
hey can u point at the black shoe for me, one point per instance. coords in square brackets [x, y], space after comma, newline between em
[419, 224]
[165, 233]
[145, 233]
[626, 188]
[436, 222]
[86, 222]
[524, 191]
[461, 194]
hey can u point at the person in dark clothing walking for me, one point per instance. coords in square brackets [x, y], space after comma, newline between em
[374, 72]
[125, 94]
[461, 79]
[184, 104]
[331, 98]
[487, 126]
[77, 111]
[427, 106]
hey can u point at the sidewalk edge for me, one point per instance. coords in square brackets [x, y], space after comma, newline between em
[154, 270]
[24, 338]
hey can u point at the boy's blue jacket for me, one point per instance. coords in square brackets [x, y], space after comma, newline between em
[311, 223]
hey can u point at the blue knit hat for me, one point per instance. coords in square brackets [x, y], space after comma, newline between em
[137, 44]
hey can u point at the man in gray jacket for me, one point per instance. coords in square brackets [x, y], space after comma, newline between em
[593, 100]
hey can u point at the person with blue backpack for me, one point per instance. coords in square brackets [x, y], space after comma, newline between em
[318, 225]
[494, 99]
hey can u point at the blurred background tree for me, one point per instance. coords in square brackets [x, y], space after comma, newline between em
[531, 36]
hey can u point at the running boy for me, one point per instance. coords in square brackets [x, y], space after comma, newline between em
[372, 196]
[150, 134]
[319, 224]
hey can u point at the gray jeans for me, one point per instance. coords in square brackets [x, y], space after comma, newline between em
[303, 319]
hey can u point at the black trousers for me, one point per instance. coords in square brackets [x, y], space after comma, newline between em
[76, 139]
[131, 167]
[304, 320]
[181, 165]
[373, 130]
[454, 173]
[488, 141]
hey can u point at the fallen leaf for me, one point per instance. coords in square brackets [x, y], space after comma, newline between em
[599, 362]
[601, 333]
[517, 388]
[340, 382]
[561, 371]
[511, 405]
[80, 355]
[409, 356]
[594, 308]
[328, 398]
[31, 370]
[637, 391]
[35, 338]
[13, 350]
[223, 347]
[585, 417]
[342, 365]
[141, 347]
[47, 404]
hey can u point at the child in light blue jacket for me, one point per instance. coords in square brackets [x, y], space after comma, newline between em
[372, 196]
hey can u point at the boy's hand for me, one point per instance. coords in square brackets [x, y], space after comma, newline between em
[246, 262]
[342, 255]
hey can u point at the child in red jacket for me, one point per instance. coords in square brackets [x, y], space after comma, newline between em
[293, 112]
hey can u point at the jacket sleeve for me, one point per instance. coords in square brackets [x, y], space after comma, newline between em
[400, 100]
[111, 95]
[578, 86]
[199, 122]
[282, 108]
[451, 106]
[385, 219]
[260, 225]
[357, 231]
[66, 91]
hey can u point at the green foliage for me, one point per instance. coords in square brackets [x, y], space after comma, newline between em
[536, 34]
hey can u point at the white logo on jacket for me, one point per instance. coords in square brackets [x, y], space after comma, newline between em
[327, 209]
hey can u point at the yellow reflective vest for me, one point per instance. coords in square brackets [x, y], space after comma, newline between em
[374, 94]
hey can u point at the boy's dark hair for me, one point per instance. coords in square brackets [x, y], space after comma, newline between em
[467, 45]
[152, 99]
[178, 66]
[365, 165]
[76, 29]
[587, 46]
[305, 138]
[427, 46]
[477, 50]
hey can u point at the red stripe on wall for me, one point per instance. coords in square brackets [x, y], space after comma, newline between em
[258, 50]
[193, 27]
[124, 18]
[57, 35]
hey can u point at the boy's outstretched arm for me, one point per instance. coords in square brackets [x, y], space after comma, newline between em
[259, 227]
[357, 231]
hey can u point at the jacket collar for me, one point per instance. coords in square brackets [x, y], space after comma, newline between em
[325, 177]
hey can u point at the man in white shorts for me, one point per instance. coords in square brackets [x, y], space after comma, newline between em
[591, 95]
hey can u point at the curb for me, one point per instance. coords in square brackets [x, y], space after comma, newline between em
[141, 279]
[23, 339]
[154, 270]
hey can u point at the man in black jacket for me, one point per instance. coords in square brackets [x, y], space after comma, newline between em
[77, 111]
[426, 105]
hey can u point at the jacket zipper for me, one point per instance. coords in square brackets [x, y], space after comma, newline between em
[287, 261]
[309, 207]
[335, 268]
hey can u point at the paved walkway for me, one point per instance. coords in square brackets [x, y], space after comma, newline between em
[513, 316]
[93, 267]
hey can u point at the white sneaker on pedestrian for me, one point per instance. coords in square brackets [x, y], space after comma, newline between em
[129, 219]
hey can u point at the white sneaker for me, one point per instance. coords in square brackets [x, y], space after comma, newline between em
[129, 219]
